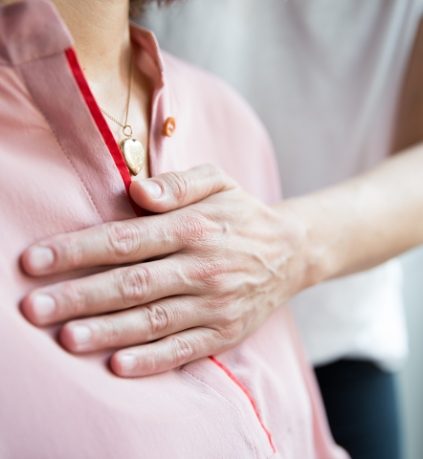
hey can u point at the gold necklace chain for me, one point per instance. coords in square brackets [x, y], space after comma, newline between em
[132, 149]
[126, 128]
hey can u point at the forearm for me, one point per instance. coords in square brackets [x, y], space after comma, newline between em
[363, 222]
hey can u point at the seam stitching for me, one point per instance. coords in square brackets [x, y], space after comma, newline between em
[19, 69]
[249, 396]
[227, 400]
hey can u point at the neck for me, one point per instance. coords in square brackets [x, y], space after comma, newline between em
[101, 32]
[100, 29]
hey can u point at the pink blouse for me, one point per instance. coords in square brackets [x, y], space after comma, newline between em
[60, 171]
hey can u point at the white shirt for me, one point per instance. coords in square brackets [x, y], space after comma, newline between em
[324, 76]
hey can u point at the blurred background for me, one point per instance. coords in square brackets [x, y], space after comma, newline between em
[411, 376]
[202, 51]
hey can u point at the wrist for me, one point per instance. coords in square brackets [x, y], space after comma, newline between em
[299, 270]
[314, 260]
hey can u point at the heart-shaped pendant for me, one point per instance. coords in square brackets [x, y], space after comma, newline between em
[134, 155]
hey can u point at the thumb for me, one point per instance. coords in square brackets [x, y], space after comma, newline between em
[173, 190]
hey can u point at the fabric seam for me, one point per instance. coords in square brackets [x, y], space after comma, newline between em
[19, 70]
[247, 393]
[11, 63]
[227, 400]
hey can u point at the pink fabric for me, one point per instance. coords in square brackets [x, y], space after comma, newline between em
[58, 175]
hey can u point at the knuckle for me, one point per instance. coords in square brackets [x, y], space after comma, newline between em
[179, 184]
[151, 360]
[231, 331]
[71, 251]
[182, 351]
[111, 333]
[133, 283]
[194, 228]
[210, 273]
[74, 298]
[123, 238]
[158, 319]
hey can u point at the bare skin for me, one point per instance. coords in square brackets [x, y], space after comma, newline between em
[102, 42]
[223, 261]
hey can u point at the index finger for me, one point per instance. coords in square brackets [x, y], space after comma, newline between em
[113, 243]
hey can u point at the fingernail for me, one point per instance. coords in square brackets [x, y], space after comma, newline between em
[40, 257]
[152, 189]
[43, 305]
[81, 334]
[127, 362]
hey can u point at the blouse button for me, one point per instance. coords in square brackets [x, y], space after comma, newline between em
[169, 127]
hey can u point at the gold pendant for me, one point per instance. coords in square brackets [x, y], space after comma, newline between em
[134, 155]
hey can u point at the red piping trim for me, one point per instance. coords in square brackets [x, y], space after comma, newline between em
[247, 393]
[101, 123]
